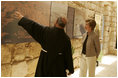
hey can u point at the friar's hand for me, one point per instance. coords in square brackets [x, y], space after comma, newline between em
[17, 15]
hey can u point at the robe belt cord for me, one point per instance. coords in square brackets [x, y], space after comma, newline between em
[44, 50]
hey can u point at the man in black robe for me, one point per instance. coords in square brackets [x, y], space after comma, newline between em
[56, 53]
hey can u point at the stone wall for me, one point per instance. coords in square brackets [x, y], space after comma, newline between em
[113, 30]
[110, 28]
[20, 60]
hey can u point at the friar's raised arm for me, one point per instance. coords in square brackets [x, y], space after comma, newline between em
[33, 28]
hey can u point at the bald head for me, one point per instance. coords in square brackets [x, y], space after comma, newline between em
[61, 22]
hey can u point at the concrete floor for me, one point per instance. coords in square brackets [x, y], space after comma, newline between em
[106, 68]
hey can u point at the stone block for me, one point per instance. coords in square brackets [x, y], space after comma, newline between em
[89, 5]
[106, 33]
[106, 39]
[114, 19]
[105, 45]
[19, 57]
[19, 54]
[90, 13]
[114, 13]
[34, 50]
[101, 4]
[19, 69]
[76, 54]
[113, 34]
[85, 4]
[106, 23]
[98, 9]
[113, 24]
[113, 29]
[96, 3]
[107, 7]
[76, 63]
[113, 52]
[30, 75]
[93, 7]
[20, 46]
[79, 3]
[113, 43]
[76, 43]
[114, 4]
[107, 29]
[32, 64]
[105, 51]
[5, 70]
[5, 54]
[108, 13]
[107, 18]
[112, 37]
[101, 10]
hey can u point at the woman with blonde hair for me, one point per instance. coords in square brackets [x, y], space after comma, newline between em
[90, 50]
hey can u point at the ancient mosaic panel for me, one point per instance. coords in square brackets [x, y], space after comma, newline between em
[35, 10]
[79, 23]
[70, 24]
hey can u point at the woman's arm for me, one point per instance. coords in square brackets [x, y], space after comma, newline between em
[97, 45]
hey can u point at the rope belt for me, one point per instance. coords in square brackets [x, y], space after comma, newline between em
[44, 50]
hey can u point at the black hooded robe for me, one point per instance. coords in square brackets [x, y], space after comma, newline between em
[58, 57]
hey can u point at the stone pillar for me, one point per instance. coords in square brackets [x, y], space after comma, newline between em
[107, 23]
[113, 29]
